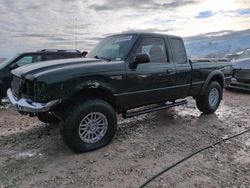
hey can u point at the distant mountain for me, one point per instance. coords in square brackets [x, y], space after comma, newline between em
[217, 44]
[214, 44]
[2, 60]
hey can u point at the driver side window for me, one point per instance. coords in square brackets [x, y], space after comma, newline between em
[155, 48]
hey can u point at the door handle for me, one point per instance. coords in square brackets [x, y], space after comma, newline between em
[169, 71]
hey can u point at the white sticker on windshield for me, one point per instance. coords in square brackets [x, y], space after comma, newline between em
[124, 38]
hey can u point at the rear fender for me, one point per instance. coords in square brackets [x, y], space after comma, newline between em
[215, 75]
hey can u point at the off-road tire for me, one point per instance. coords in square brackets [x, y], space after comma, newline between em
[73, 118]
[46, 117]
[202, 102]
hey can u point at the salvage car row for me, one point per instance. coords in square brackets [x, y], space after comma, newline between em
[241, 72]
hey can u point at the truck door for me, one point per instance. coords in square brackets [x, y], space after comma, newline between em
[183, 68]
[153, 81]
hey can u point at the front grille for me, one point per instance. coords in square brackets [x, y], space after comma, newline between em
[16, 85]
[24, 88]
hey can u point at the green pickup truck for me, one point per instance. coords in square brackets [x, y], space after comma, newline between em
[128, 74]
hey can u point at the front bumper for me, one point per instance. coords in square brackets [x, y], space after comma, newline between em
[27, 105]
[239, 85]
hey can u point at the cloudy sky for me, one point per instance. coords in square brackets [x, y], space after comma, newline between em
[31, 25]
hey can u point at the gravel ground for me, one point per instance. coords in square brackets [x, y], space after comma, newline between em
[32, 154]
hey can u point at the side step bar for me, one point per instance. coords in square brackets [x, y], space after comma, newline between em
[153, 109]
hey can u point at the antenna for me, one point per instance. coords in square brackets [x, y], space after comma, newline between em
[75, 33]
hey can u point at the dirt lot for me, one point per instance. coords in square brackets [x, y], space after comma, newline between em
[33, 154]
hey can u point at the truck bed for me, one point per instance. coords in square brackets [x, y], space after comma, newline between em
[202, 68]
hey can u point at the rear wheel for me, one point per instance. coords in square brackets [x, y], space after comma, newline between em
[89, 125]
[210, 101]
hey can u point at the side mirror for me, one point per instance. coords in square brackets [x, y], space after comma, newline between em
[13, 66]
[140, 59]
[84, 53]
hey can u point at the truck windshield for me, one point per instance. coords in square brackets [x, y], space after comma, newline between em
[113, 47]
[8, 61]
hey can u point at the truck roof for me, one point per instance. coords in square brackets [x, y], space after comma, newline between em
[148, 34]
[44, 51]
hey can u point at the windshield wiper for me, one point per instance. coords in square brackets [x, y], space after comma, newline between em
[107, 59]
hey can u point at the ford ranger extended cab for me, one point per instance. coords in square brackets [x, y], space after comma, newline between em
[128, 74]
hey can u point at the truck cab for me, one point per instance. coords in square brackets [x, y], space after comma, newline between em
[165, 75]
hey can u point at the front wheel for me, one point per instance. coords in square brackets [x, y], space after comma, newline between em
[210, 101]
[89, 125]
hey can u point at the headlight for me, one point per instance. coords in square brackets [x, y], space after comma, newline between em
[41, 92]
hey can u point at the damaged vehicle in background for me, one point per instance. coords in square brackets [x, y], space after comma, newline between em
[241, 72]
[28, 58]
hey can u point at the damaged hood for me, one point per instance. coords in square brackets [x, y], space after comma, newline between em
[66, 68]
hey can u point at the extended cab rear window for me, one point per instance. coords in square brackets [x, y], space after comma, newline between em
[178, 50]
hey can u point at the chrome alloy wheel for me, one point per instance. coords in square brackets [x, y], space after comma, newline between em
[93, 127]
[213, 97]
